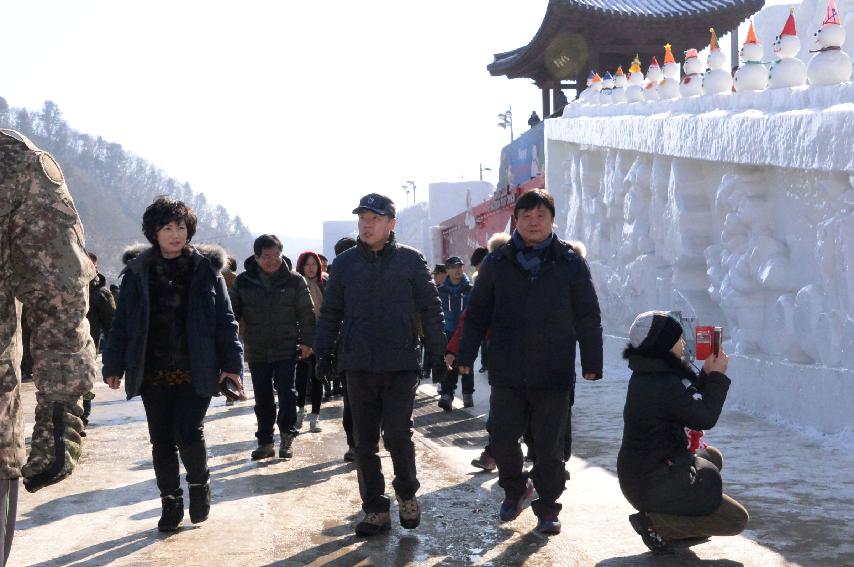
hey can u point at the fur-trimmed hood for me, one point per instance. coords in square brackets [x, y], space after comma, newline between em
[216, 255]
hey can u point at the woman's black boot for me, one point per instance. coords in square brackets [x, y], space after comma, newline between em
[173, 512]
[200, 502]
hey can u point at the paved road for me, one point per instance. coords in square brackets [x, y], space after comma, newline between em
[301, 511]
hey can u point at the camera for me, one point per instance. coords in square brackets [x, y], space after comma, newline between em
[708, 341]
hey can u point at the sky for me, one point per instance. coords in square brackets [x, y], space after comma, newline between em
[283, 112]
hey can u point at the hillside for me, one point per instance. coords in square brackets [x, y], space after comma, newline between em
[112, 187]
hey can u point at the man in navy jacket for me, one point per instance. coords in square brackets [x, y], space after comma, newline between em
[536, 296]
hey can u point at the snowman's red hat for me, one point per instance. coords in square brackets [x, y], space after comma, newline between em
[691, 53]
[832, 17]
[789, 28]
[654, 62]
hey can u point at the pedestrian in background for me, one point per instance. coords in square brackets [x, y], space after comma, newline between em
[476, 259]
[275, 307]
[536, 296]
[100, 316]
[454, 295]
[308, 265]
[174, 340]
[377, 292]
[347, 415]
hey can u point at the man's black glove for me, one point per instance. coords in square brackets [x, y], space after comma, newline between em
[324, 369]
[56, 444]
[438, 368]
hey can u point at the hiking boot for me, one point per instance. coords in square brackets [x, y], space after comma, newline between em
[548, 524]
[229, 402]
[643, 526]
[285, 451]
[373, 523]
[512, 507]
[446, 402]
[264, 451]
[300, 418]
[172, 513]
[313, 418]
[468, 400]
[484, 461]
[200, 502]
[409, 512]
[350, 455]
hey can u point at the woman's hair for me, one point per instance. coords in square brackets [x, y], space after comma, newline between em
[302, 260]
[164, 210]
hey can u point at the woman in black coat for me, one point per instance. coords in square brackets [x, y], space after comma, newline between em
[677, 491]
[174, 339]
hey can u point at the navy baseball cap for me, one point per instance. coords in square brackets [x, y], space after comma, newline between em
[453, 261]
[376, 203]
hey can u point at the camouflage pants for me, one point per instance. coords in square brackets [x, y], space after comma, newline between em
[8, 509]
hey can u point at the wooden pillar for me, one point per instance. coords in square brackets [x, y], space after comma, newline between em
[546, 103]
[555, 103]
[733, 39]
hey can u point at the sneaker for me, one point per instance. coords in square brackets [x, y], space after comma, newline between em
[468, 400]
[200, 502]
[350, 455]
[312, 423]
[643, 526]
[548, 524]
[484, 461]
[300, 418]
[264, 451]
[373, 523]
[512, 507]
[446, 402]
[172, 513]
[409, 513]
[285, 451]
[229, 402]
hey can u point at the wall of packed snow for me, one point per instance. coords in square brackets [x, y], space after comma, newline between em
[737, 209]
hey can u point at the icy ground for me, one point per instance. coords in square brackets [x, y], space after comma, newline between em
[300, 512]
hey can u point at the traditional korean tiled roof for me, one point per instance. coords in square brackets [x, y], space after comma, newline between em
[610, 32]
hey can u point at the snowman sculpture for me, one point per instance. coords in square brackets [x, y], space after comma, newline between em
[586, 93]
[669, 86]
[692, 82]
[634, 92]
[607, 88]
[752, 75]
[653, 78]
[717, 78]
[620, 83]
[788, 70]
[830, 65]
[594, 91]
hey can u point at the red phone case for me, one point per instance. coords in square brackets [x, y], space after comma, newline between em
[705, 338]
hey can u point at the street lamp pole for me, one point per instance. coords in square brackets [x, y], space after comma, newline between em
[506, 119]
[482, 169]
[412, 184]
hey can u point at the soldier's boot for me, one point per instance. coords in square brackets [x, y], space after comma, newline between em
[172, 512]
[285, 449]
[200, 502]
[264, 451]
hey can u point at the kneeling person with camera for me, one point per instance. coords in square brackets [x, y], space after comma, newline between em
[677, 492]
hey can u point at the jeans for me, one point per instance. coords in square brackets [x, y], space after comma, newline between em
[383, 402]
[175, 416]
[264, 375]
[511, 410]
[305, 373]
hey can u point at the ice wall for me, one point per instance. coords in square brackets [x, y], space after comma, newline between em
[737, 209]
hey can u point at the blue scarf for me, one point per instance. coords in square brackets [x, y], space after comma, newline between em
[531, 257]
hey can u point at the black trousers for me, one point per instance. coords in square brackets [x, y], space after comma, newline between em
[567, 440]
[264, 375]
[383, 402]
[175, 416]
[449, 384]
[510, 412]
[305, 373]
[347, 416]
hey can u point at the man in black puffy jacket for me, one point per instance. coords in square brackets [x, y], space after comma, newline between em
[375, 296]
[677, 492]
[274, 306]
[536, 296]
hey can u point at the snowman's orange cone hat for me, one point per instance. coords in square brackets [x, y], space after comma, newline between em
[668, 55]
[714, 43]
[751, 35]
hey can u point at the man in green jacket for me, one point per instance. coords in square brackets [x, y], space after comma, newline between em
[277, 314]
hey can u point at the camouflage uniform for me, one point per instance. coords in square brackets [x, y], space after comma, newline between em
[44, 266]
